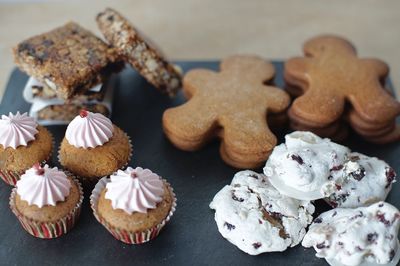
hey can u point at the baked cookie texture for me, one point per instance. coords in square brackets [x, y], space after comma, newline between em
[23, 157]
[139, 51]
[136, 221]
[232, 104]
[332, 84]
[50, 213]
[69, 59]
[100, 161]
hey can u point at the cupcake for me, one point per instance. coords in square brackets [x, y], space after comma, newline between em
[22, 143]
[133, 205]
[47, 201]
[93, 147]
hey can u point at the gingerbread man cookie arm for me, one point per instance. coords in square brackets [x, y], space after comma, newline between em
[277, 99]
[295, 72]
[182, 131]
[382, 109]
[321, 106]
[246, 138]
[381, 68]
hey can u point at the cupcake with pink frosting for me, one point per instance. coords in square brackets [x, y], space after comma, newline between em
[47, 201]
[94, 147]
[133, 205]
[22, 143]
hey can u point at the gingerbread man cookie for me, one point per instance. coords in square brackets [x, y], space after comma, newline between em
[232, 104]
[331, 74]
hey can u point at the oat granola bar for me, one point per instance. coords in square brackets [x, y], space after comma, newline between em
[69, 59]
[143, 56]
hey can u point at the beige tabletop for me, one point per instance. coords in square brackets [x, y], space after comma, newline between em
[210, 29]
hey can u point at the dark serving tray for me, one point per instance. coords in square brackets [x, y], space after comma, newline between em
[191, 237]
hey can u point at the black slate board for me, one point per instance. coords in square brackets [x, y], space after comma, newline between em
[191, 238]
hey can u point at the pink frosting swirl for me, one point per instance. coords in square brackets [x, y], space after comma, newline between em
[43, 186]
[89, 130]
[17, 130]
[135, 190]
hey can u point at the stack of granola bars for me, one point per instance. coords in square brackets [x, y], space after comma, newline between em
[70, 69]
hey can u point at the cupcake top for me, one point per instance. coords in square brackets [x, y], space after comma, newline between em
[17, 130]
[43, 186]
[135, 190]
[89, 130]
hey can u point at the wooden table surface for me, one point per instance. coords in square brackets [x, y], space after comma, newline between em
[210, 29]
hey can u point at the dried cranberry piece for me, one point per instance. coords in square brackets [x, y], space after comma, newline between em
[359, 215]
[318, 220]
[390, 176]
[253, 176]
[321, 245]
[229, 226]
[381, 217]
[391, 255]
[257, 245]
[358, 174]
[337, 167]
[372, 237]
[297, 158]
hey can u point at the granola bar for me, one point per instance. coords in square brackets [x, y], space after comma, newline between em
[69, 59]
[143, 56]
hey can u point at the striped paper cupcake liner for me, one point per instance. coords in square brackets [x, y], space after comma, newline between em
[91, 181]
[124, 235]
[48, 230]
[11, 177]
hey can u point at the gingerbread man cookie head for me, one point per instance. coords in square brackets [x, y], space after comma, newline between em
[330, 75]
[328, 45]
[249, 67]
[232, 104]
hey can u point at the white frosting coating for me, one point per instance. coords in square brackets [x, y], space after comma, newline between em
[135, 190]
[360, 182]
[17, 130]
[361, 236]
[43, 186]
[307, 167]
[251, 214]
[89, 130]
[300, 167]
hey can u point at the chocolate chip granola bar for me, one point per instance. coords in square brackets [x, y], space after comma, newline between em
[139, 52]
[69, 59]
